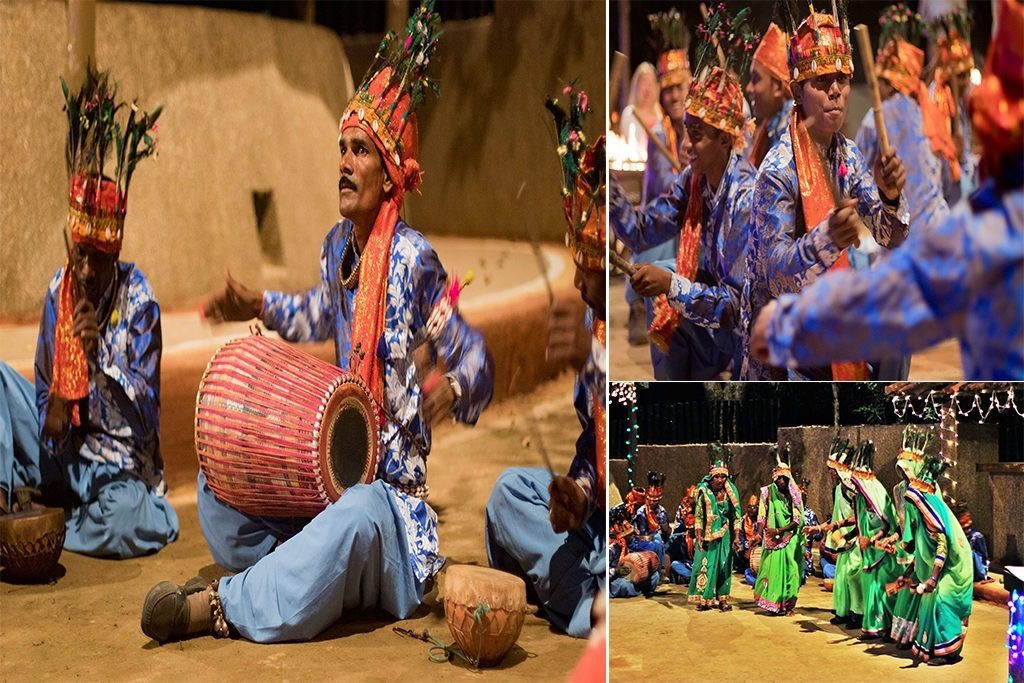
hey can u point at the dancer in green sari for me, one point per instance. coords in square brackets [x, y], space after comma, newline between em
[780, 515]
[717, 515]
[841, 537]
[904, 611]
[943, 568]
[876, 520]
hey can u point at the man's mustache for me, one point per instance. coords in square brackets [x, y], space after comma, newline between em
[344, 183]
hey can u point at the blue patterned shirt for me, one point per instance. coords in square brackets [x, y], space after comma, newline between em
[713, 299]
[905, 128]
[416, 282]
[783, 254]
[965, 278]
[640, 520]
[658, 173]
[123, 418]
[590, 387]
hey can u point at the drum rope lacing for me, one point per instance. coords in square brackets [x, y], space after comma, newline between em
[439, 653]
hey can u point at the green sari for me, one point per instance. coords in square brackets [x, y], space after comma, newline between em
[876, 519]
[778, 579]
[904, 610]
[940, 542]
[716, 521]
[847, 598]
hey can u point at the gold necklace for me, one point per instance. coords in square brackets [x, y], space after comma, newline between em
[352, 281]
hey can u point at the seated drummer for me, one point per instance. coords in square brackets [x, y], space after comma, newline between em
[97, 365]
[552, 531]
[382, 287]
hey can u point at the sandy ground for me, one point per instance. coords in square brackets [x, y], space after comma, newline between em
[86, 624]
[941, 361]
[665, 638]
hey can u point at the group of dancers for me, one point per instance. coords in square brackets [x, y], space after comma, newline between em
[789, 251]
[899, 563]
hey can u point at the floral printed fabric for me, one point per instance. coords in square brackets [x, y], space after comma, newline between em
[416, 282]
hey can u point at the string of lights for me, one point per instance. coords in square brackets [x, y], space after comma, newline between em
[1015, 637]
[625, 394]
[984, 403]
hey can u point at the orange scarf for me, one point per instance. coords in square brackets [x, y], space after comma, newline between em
[938, 125]
[666, 318]
[816, 198]
[70, 370]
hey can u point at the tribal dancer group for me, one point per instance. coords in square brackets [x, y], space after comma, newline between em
[87, 438]
[900, 564]
[797, 253]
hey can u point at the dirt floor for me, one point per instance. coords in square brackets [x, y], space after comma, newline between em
[85, 625]
[665, 638]
[941, 361]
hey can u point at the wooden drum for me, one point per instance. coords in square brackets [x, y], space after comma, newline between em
[485, 609]
[640, 565]
[280, 432]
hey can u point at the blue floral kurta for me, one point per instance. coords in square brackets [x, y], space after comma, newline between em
[784, 255]
[713, 299]
[590, 386]
[416, 282]
[965, 279]
[123, 426]
[777, 124]
[905, 128]
[640, 520]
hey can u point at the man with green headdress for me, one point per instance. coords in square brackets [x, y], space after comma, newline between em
[943, 567]
[876, 519]
[717, 516]
[780, 515]
[847, 598]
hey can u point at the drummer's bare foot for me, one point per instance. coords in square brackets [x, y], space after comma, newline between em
[173, 612]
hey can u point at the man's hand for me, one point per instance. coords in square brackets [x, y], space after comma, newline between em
[650, 280]
[890, 176]
[58, 415]
[85, 325]
[845, 226]
[568, 341]
[235, 302]
[438, 398]
[759, 332]
[864, 542]
[568, 504]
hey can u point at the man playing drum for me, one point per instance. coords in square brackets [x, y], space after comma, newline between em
[552, 530]
[87, 436]
[382, 288]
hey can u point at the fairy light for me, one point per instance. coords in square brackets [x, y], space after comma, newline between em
[625, 394]
[1015, 637]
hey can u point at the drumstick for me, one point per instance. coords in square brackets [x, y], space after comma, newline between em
[618, 67]
[659, 145]
[535, 433]
[617, 261]
[954, 88]
[867, 59]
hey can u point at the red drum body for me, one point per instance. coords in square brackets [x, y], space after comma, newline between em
[282, 433]
[640, 565]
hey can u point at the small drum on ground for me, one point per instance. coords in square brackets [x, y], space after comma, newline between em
[755, 559]
[640, 565]
[31, 541]
[485, 609]
[282, 433]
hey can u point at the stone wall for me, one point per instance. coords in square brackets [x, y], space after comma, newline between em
[1007, 486]
[251, 106]
[751, 469]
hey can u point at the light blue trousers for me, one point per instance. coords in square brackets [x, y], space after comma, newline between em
[108, 512]
[352, 556]
[564, 570]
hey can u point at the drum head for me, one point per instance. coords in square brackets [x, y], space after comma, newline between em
[350, 449]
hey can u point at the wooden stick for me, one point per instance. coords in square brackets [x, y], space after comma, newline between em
[954, 87]
[867, 60]
[676, 166]
[714, 41]
[621, 264]
[618, 67]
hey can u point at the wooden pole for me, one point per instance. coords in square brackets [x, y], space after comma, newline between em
[867, 59]
[81, 40]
